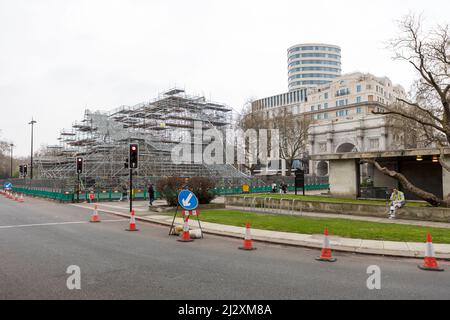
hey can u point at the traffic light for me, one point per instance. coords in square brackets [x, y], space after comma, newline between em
[79, 165]
[134, 155]
[125, 164]
[21, 170]
[25, 170]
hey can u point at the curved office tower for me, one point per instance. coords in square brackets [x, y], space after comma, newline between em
[313, 64]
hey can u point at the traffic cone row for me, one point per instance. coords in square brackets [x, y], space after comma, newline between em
[429, 264]
[13, 196]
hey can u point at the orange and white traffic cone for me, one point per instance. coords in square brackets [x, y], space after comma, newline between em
[21, 198]
[132, 226]
[185, 236]
[326, 255]
[248, 243]
[430, 262]
[95, 217]
[16, 197]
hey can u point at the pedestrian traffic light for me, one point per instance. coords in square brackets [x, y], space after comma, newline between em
[134, 155]
[125, 164]
[79, 165]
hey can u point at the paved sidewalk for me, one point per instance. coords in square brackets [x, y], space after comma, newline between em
[376, 247]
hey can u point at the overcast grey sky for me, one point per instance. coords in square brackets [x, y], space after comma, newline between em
[59, 57]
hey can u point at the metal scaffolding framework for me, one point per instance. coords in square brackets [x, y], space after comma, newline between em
[102, 139]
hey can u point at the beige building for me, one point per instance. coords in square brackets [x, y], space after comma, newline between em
[343, 121]
[341, 114]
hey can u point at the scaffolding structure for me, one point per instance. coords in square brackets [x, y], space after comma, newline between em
[103, 138]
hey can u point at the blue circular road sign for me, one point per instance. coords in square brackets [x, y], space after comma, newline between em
[8, 185]
[187, 200]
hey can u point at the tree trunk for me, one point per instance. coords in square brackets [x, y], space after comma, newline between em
[428, 197]
[289, 168]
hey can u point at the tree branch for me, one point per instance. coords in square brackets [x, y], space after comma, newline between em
[429, 197]
[410, 118]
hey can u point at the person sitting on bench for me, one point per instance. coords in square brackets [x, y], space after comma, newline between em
[397, 202]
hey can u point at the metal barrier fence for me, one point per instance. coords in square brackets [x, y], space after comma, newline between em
[112, 195]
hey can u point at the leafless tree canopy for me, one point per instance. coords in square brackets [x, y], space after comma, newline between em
[293, 131]
[427, 110]
[293, 136]
[4, 159]
[249, 120]
[429, 54]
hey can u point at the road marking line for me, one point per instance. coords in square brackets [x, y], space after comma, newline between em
[55, 224]
[117, 207]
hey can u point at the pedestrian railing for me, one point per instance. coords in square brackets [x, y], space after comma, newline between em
[266, 189]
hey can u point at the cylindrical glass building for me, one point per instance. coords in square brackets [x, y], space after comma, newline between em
[313, 64]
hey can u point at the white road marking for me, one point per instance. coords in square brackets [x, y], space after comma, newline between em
[55, 224]
[118, 207]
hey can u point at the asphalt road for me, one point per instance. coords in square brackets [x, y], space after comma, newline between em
[39, 240]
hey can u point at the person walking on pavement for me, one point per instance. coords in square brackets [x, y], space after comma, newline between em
[151, 194]
[284, 187]
[274, 187]
[397, 201]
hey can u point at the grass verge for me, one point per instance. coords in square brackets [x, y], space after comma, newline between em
[338, 227]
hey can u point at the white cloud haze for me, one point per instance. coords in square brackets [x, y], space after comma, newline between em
[59, 57]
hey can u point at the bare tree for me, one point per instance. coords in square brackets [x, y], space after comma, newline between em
[293, 136]
[5, 161]
[251, 119]
[428, 105]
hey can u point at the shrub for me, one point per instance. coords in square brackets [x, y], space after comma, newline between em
[203, 189]
[169, 187]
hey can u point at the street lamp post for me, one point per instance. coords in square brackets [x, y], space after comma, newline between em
[12, 147]
[31, 164]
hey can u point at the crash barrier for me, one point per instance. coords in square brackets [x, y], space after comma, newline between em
[99, 195]
[138, 194]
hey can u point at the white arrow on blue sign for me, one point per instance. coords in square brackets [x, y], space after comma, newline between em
[8, 185]
[187, 200]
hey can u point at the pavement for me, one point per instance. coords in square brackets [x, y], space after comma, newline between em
[373, 247]
[40, 239]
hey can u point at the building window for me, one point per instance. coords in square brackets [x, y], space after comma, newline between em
[358, 88]
[342, 92]
[325, 95]
[358, 99]
[374, 144]
[359, 110]
[341, 113]
[341, 103]
[325, 105]
[312, 108]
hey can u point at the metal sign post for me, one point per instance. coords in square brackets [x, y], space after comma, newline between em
[300, 180]
[188, 201]
[131, 190]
